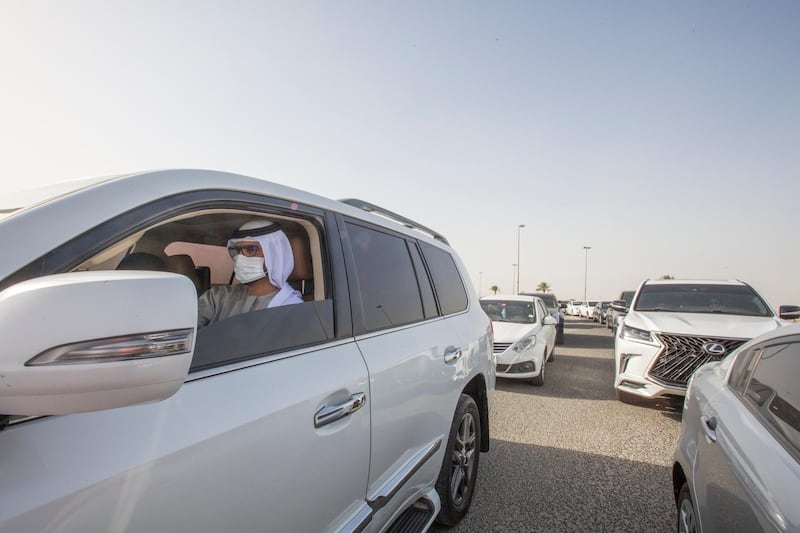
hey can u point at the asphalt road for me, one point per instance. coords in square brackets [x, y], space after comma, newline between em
[568, 456]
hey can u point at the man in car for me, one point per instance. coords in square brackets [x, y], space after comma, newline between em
[262, 261]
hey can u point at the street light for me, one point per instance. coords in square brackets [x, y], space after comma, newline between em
[513, 276]
[585, 272]
[519, 228]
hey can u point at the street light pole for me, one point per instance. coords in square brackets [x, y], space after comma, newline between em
[480, 283]
[585, 272]
[513, 276]
[519, 228]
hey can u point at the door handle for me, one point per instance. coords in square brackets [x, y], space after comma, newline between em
[331, 413]
[709, 427]
[451, 354]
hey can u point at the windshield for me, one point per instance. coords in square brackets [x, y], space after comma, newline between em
[510, 311]
[694, 298]
[576, 303]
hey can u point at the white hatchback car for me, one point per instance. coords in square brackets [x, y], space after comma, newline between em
[524, 335]
[675, 326]
[360, 408]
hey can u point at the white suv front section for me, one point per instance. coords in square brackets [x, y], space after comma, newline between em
[675, 326]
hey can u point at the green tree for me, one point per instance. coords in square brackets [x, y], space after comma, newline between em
[667, 276]
[494, 288]
[543, 286]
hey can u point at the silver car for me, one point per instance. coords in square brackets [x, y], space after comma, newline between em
[737, 463]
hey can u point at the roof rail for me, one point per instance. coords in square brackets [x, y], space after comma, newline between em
[372, 208]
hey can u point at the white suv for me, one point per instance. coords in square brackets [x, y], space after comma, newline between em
[363, 406]
[675, 326]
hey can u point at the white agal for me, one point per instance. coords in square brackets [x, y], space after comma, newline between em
[359, 404]
[675, 326]
[524, 336]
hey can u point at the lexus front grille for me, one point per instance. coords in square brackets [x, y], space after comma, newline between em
[683, 354]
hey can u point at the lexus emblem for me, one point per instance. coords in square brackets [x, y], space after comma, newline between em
[714, 348]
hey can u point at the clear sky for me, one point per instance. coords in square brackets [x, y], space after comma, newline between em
[665, 135]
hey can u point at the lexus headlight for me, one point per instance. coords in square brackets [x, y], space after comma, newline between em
[635, 334]
[524, 344]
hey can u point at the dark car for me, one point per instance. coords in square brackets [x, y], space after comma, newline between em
[555, 309]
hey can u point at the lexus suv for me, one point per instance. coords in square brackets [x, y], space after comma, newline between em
[675, 326]
[362, 406]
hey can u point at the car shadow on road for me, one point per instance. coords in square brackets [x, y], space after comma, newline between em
[584, 378]
[527, 487]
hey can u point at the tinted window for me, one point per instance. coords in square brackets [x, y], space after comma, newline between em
[446, 280]
[695, 298]
[389, 291]
[773, 390]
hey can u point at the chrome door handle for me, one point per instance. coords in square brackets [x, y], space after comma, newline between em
[709, 427]
[451, 354]
[331, 413]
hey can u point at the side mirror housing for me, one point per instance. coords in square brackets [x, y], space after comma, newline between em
[549, 320]
[620, 306]
[789, 312]
[88, 341]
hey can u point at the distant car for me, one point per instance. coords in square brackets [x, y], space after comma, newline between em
[524, 335]
[587, 309]
[599, 314]
[574, 308]
[617, 309]
[737, 461]
[675, 326]
[553, 307]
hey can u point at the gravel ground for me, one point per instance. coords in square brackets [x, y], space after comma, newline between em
[568, 456]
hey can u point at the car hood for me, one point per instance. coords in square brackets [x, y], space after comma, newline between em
[510, 332]
[712, 325]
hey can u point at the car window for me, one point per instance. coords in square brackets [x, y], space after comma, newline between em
[446, 279]
[510, 311]
[194, 244]
[773, 392]
[389, 292]
[705, 298]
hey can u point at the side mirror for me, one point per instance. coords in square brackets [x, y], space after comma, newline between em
[789, 312]
[620, 306]
[549, 320]
[87, 341]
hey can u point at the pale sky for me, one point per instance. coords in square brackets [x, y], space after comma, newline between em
[665, 135]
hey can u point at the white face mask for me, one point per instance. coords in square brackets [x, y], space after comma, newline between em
[248, 269]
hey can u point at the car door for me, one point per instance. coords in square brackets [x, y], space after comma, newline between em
[548, 331]
[270, 432]
[746, 471]
[413, 361]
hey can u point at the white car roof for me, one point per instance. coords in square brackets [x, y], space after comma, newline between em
[50, 216]
[510, 297]
[694, 282]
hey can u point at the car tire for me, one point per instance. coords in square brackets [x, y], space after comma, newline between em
[552, 354]
[539, 380]
[687, 516]
[459, 472]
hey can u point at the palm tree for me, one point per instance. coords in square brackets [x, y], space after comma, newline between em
[494, 288]
[543, 286]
